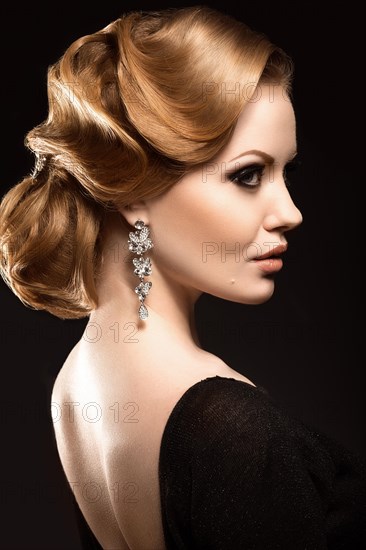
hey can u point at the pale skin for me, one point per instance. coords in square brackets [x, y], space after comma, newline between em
[152, 363]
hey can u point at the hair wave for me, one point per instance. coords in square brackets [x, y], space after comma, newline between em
[132, 108]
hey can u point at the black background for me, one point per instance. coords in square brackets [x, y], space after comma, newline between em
[301, 345]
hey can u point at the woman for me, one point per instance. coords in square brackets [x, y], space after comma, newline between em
[160, 175]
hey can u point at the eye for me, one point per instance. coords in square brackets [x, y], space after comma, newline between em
[290, 168]
[249, 177]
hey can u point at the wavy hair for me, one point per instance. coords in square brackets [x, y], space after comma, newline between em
[132, 108]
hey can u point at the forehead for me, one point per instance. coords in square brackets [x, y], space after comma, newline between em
[267, 123]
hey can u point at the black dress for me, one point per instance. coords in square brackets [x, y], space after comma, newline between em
[236, 472]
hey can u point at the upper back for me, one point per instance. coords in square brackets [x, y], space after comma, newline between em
[109, 435]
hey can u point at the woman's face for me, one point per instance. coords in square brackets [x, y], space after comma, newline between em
[210, 228]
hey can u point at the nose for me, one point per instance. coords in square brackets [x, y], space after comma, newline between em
[282, 214]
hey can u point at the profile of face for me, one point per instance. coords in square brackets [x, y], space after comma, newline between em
[210, 228]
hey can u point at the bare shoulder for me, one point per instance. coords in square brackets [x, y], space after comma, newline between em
[132, 403]
[107, 379]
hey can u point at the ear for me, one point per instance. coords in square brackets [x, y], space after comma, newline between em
[135, 211]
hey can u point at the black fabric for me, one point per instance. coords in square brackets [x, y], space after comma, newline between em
[236, 472]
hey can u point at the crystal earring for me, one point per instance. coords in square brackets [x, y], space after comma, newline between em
[139, 243]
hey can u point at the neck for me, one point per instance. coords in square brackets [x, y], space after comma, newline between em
[169, 304]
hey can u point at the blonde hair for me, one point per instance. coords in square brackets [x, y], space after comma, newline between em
[132, 108]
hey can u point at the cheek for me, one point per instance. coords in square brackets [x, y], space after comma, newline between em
[203, 234]
[181, 224]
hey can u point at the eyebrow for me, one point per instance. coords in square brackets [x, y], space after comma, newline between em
[268, 158]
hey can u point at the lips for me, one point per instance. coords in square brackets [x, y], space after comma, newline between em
[273, 253]
[270, 262]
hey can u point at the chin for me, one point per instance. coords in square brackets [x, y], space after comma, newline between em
[249, 292]
[254, 296]
[260, 300]
[258, 296]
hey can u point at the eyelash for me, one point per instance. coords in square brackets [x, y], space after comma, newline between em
[258, 169]
[253, 169]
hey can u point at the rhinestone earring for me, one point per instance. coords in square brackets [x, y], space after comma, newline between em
[139, 243]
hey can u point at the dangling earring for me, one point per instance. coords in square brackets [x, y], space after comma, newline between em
[139, 243]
